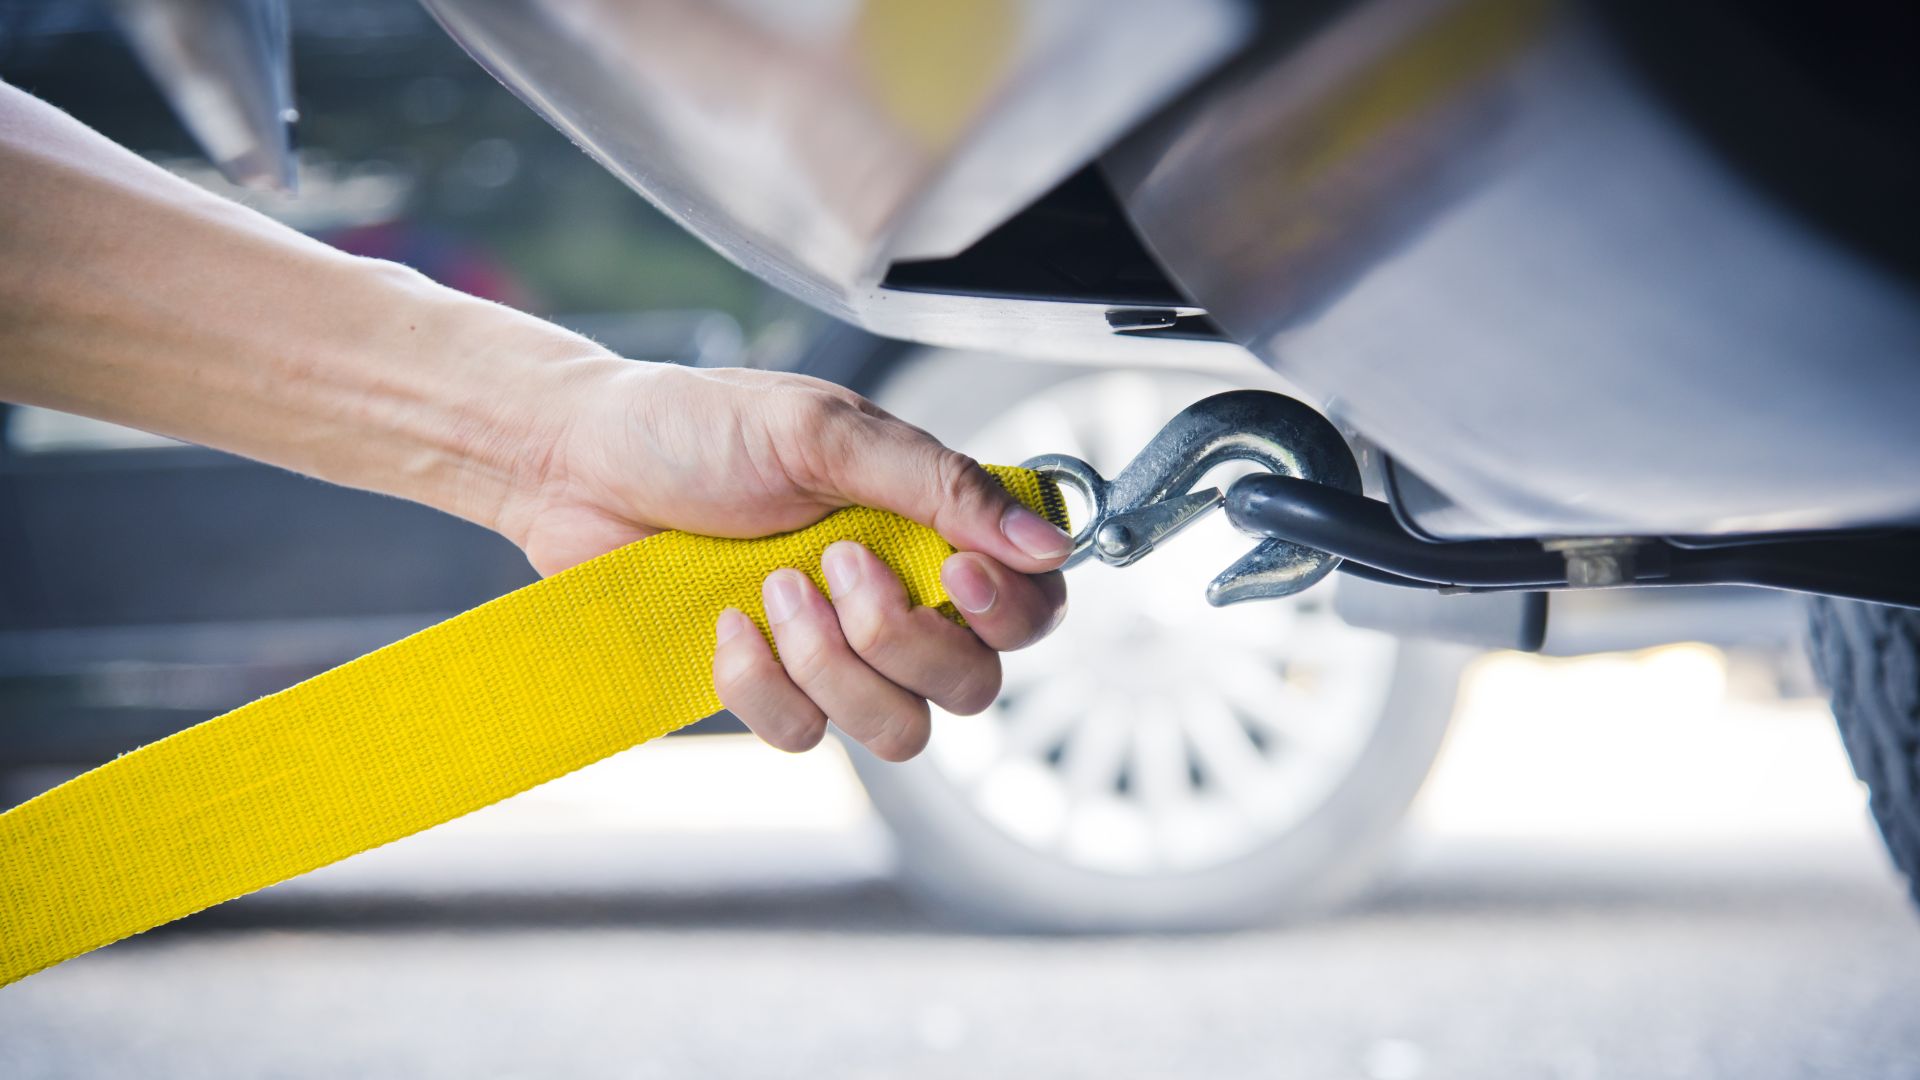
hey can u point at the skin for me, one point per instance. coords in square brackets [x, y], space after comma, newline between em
[129, 295]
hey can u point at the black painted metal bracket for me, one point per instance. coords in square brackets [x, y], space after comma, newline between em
[1881, 567]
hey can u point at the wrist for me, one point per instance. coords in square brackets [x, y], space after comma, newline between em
[535, 387]
[511, 438]
[501, 388]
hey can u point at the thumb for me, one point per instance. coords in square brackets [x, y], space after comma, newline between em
[897, 467]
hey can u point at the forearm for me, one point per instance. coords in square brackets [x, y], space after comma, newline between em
[132, 296]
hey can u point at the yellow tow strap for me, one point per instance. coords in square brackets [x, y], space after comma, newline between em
[514, 693]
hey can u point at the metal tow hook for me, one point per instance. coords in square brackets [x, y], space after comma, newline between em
[1153, 497]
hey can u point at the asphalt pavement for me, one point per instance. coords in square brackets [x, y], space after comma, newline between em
[1613, 874]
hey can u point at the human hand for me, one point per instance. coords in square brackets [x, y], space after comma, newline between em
[741, 453]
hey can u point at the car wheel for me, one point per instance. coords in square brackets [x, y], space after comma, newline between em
[1156, 763]
[1868, 656]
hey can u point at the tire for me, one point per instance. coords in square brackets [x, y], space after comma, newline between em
[1175, 860]
[954, 860]
[1868, 656]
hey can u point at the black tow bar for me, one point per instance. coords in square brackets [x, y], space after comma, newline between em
[1880, 567]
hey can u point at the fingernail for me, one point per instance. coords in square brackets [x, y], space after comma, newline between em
[1034, 534]
[732, 622]
[843, 567]
[968, 584]
[781, 593]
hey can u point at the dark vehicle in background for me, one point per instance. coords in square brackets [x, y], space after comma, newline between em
[1598, 294]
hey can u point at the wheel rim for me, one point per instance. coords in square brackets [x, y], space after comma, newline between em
[1153, 733]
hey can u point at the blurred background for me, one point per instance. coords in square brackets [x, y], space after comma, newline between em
[1185, 842]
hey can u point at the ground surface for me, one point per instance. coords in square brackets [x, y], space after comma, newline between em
[1597, 886]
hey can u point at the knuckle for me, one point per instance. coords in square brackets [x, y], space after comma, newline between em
[903, 732]
[827, 434]
[870, 631]
[750, 696]
[1035, 621]
[735, 670]
[793, 732]
[1030, 633]
[1050, 620]
[807, 658]
[973, 689]
[823, 416]
[959, 479]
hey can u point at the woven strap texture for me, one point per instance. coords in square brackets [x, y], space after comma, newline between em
[485, 705]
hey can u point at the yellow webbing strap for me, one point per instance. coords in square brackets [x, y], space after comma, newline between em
[514, 693]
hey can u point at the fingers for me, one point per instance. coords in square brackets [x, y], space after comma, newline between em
[882, 462]
[915, 648]
[1006, 610]
[754, 687]
[871, 660]
[818, 662]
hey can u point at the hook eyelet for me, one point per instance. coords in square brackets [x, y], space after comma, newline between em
[1069, 471]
